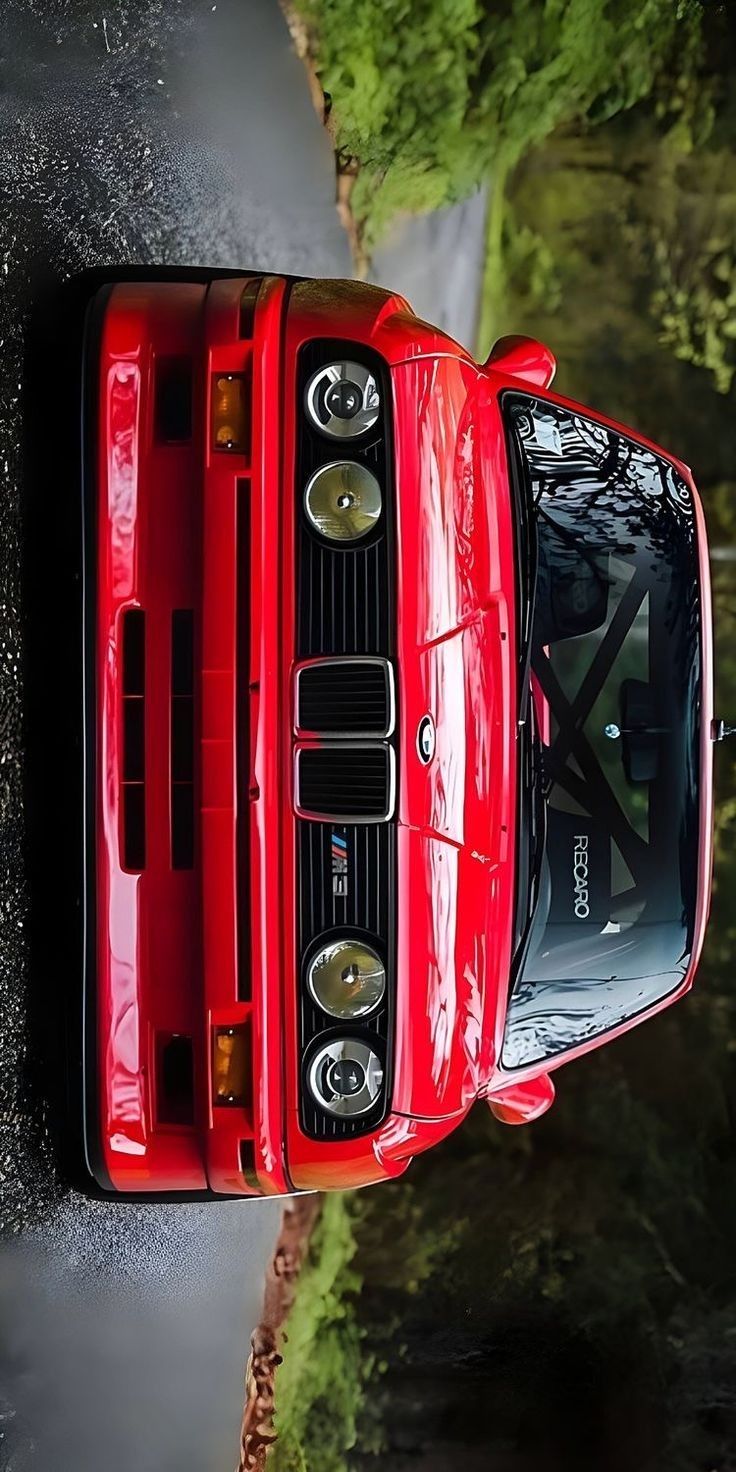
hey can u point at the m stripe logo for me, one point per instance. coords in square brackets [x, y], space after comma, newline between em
[339, 864]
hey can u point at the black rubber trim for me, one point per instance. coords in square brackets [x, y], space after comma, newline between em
[93, 1156]
[96, 278]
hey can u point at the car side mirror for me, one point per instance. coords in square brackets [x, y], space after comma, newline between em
[522, 1103]
[523, 357]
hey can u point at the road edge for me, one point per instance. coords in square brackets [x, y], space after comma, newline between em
[257, 1432]
[347, 167]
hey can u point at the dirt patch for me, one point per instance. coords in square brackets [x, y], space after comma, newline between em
[257, 1430]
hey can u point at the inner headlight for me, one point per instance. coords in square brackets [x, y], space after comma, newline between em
[345, 1076]
[342, 399]
[343, 500]
[347, 979]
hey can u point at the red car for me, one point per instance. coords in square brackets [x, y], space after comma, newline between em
[398, 693]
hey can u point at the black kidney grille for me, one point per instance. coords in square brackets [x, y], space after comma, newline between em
[346, 595]
[352, 894]
[345, 607]
[345, 781]
[345, 697]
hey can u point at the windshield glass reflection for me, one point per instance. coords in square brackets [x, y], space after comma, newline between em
[615, 660]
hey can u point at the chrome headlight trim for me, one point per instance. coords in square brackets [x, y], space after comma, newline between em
[343, 1051]
[317, 393]
[351, 491]
[329, 955]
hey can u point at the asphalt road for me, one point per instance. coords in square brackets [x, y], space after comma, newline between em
[437, 262]
[150, 132]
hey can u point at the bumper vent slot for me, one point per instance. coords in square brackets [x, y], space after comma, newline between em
[345, 783]
[134, 739]
[174, 1079]
[134, 652]
[134, 827]
[133, 806]
[346, 697]
[182, 739]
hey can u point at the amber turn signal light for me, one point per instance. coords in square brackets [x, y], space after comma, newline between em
[229, 412]
[230, 1065]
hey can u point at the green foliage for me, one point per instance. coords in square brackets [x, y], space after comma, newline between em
[399, 72]
[691, 247]
[586, 211]
[401, 77]
[378, 1230]
[608, 1226]
[432, 96]
[567, 60]
[326, 1389]
[530, 266]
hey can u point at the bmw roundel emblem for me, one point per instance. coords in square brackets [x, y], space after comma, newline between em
[425, 739]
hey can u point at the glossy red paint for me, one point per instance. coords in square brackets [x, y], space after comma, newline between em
[525, 358]
[170, 535]
[456, 653]
[523, 1103]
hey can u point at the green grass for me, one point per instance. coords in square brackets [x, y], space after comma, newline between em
[320, 1385]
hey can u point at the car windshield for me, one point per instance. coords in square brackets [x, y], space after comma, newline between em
[614, 653]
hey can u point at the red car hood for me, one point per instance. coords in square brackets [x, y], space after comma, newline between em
[456, 656]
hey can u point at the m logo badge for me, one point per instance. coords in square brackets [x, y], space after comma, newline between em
[339, 853]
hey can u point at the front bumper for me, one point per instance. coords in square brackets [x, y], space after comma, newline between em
[168, 527]
[175, 950]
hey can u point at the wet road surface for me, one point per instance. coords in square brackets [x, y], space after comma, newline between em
[125, 1332]
[149, 132]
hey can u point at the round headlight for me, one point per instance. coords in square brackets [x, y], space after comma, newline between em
[343, 501]
[345, 1076]
[342, 400]
[347, 979]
